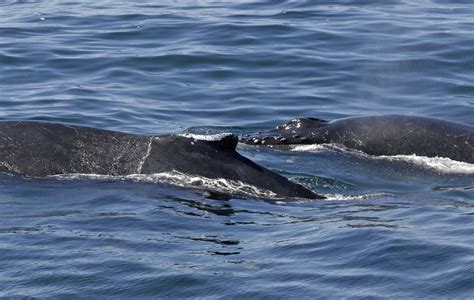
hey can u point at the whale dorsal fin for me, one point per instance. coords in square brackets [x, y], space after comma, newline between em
[227, 142]
[303, 123]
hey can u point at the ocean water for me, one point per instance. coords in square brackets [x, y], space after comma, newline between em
[392, 227]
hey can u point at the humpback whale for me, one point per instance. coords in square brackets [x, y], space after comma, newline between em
[377, 135]
[37, 149]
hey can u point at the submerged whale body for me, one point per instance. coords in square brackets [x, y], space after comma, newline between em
[40, 149]
[377, 135]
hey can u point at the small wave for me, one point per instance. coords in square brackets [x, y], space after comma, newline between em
[184, 180]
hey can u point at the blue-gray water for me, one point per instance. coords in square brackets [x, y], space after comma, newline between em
[393, 229]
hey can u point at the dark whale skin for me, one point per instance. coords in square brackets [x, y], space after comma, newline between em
[39, 149]
[377, 135]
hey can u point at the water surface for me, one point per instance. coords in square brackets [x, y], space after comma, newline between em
[391, 228]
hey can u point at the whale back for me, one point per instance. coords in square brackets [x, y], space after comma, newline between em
[377, 135]
[403, 135]
[40, 148]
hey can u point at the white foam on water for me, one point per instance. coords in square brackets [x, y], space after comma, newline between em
[220, 185]
[440, 164]
[339, 197]
[184, 180]
[206, 137]
[308, 148]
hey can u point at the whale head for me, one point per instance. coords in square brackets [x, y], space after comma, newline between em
[296, 131]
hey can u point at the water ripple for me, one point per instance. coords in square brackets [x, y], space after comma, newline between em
[392, 228]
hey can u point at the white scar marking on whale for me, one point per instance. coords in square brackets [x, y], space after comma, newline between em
[148, 151]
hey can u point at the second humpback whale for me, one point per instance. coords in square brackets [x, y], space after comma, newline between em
[377, 135]
[40, 149]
